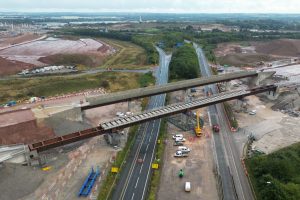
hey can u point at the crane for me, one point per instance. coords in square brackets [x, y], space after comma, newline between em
[198, 130]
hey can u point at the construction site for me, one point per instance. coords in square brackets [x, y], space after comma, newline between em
[195, 133]
[276, 117]
[63, 169]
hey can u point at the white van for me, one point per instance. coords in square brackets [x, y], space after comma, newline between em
[187, 186]
[184, 149]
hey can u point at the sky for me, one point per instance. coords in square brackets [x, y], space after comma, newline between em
[154, 6]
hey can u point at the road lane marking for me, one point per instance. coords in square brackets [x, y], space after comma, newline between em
[151, 159]
[137, 181]
[147, 147]
[141, 167]
[134, 162]
[132, 196]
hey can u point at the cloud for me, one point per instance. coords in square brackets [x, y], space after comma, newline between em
[182, 6]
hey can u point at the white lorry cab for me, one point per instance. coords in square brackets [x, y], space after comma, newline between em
[184, 149]
[187, 186]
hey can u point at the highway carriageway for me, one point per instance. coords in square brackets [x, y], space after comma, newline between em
[160, 89]
[119, 123]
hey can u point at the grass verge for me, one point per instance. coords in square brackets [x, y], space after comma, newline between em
[129, 55]
[23, 89]
[230, 114]
[160, 147]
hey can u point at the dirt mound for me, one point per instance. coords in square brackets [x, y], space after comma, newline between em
[68, 59]
[18, 39]
[240, 59]
[224, 49]
[282, 47]
[21, 127]
[8, 67]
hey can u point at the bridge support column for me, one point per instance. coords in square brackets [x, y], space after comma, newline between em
[34, 159]
[112, 138]
[260, 77]
[273, 95]
[240, 105]
[129, 105]
[227, 85]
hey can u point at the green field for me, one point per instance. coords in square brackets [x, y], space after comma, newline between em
[22, 89]
[128, 55]
[276, 176]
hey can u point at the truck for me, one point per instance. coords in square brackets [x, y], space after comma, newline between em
[180, 154]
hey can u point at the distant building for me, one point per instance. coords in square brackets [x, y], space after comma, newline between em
[179, 44]
[141, 21]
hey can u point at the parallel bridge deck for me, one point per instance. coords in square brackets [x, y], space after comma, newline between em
[107, 127]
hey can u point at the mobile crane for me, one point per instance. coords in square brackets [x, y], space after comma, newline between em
[198, 130]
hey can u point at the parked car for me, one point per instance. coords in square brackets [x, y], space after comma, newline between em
[252, 112]
[180, 140]
[177, 136]
[184, 149]
[180, 154]
[178, 143]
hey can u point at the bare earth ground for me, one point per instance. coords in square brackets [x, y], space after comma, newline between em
[272, 129]
[197, 167]
[281, 47]
[11, 67]
[40, 53]
[18, 39]
[69, 165]
[250, 53]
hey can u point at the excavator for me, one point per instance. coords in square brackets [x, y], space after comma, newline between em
[198, 130]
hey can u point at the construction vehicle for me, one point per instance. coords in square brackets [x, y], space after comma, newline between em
[181, 173]
[198, 130]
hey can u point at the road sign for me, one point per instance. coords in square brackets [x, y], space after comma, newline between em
[154, 166]
[114, 169]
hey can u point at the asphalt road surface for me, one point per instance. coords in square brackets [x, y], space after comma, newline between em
[235, 184]
[135, 176]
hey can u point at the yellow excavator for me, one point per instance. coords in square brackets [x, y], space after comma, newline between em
[198, 130]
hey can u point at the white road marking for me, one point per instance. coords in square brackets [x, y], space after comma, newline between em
[141, 167]
[132, 196]
[137, 182]
[147, 147]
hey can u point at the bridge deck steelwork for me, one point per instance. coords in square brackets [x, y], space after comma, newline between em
[170, 87]
[107, 127]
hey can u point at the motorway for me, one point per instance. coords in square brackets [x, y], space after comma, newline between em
[235, 184]
[134, 178]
